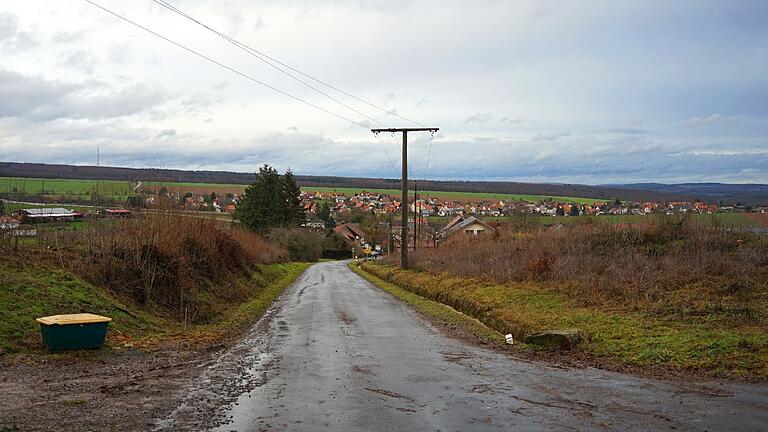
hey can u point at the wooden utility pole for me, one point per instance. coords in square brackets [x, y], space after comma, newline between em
[417, 216]
[404, 187]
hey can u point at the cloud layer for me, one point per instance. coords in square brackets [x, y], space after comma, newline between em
[531, 90]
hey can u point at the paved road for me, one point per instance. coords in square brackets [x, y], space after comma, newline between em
[339, 354]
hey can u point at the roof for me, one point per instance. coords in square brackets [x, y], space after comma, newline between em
[350, 231]
[469, 221]
[455, 221]
[48, 212]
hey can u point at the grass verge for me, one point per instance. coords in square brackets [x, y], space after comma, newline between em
[630, 339]
[31, 291]
[433, 309]
[274, 278]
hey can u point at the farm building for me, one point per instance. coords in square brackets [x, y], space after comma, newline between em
[38, 215]
[118, 213]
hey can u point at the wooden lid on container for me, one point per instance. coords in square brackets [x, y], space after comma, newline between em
[81, 318]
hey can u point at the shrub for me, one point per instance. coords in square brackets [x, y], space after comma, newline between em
[301, 244]
[182, 264]
[660, 267]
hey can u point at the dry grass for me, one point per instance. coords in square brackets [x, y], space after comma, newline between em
[669, 267]
[186, 266]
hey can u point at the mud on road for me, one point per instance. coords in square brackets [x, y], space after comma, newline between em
[87, 392]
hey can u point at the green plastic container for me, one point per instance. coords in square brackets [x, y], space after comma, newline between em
[73, 332]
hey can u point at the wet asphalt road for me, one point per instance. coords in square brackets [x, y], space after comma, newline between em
[338, 354]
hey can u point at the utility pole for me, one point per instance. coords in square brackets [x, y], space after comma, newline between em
[415, 214]
[404, 187]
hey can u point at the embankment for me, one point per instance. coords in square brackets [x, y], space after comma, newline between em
[615, 338]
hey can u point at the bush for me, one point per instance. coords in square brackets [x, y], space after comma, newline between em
[301, 244]
[666, 266]
[182, 264]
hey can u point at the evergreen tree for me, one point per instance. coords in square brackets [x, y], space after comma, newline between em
[263, 203]
[270, 201]
[325, 212]
[330, 223]
[293, 212]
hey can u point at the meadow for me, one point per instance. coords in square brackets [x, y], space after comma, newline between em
[120, 190]
[16, 187]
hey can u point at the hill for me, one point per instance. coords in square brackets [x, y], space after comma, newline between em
[729, 193]
[50, 171]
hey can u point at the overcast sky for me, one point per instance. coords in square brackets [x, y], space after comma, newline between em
[547, 91]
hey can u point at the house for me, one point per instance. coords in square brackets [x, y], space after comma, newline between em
[470, 225]
[351, 232]
[314, 223]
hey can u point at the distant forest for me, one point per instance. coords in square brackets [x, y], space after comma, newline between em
[37, 170]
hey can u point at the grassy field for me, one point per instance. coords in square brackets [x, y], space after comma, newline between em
[65, 188]
[704, 343]
[82, 189]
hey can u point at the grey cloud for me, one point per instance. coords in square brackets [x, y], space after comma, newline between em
[9, 25]
[512, 120]
[196, 104]
[627, 130]
[43, 100]
[62, 141]
[11, 38]
[479, 118]
[80, 60]
[715, 118]
[166, 133]
[68, 37]
[550, 136]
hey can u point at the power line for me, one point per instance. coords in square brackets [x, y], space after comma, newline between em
[429, 155]
[231, 69]
[255, 53]
[258, 53]
[387, 153]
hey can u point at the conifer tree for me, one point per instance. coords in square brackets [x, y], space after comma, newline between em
[293, 213]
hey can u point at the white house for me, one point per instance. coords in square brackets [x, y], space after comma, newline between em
[470, 225]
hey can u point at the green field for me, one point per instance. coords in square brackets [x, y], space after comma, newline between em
[83, 189]
[64, 188]
[475, 196]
